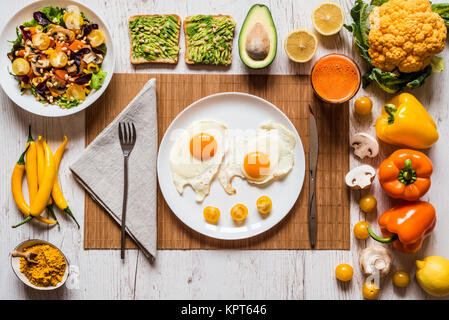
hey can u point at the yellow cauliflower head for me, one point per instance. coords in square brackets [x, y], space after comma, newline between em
[405, 34]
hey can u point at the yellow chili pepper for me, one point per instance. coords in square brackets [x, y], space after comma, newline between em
[16, 184]
[56, 192]
[406, 123]
[16, 187]
[48, 180]
[31, 167]
[41, 168]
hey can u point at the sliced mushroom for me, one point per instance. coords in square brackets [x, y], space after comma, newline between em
[62, 34]
[360, 177]
[375, 260]
[92, 57]
[56, 85]
[364, 145]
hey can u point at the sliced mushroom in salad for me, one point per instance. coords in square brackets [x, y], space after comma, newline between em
[58, 55]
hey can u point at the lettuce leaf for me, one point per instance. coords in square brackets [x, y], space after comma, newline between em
[97, 79]
[54, 14]
[391, 82]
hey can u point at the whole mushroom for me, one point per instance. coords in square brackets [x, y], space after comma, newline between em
[364, 145]
[360, 177]
[375, 260]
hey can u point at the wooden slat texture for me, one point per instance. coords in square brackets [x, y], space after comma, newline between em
[291, 94]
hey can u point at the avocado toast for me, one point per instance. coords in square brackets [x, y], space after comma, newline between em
[209, 39]
[154, 38]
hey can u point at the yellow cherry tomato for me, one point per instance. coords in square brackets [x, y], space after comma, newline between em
[211, 214]
[368, 203]
[58, 59]
[344, 272]
[401, 278]
[20, 67]
[73, 20]
[96, 38]
[41, 41]
[363, 106]
[370, 290]
[77, 92]
[264, 204]
[239, 212]
[361, 230]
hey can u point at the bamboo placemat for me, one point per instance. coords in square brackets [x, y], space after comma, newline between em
[291, 94]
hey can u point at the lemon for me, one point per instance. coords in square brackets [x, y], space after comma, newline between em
[300, 45]
[328, 18]
[433, 275]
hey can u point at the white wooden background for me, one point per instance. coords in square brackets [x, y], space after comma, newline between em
[209, 274]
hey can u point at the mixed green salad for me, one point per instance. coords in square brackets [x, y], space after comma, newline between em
[390, 81]
[58, 55]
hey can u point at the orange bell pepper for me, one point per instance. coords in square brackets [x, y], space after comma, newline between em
[406, 225]
[405, 174]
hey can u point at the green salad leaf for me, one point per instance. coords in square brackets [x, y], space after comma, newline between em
[67, 103]
[31, 23]
[391, 82]
[54, 14]
[97, 79]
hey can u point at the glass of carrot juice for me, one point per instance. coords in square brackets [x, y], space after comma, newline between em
[335, 78]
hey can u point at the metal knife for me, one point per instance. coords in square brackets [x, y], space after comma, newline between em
[313, 161]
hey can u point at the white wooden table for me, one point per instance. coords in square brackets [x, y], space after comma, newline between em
[209, 274]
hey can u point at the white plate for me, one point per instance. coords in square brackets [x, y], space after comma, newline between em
[236, 111]
[28, 101]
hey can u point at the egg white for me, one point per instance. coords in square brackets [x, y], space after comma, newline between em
[188, 170]
[271, 138]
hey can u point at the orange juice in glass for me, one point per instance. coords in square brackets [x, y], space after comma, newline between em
[335, 78]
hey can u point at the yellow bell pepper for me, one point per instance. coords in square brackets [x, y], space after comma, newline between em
[406, 123]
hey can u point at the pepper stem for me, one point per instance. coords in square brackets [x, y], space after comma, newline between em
[407, 175]
[30, 137]
[52, 213]
[380, 239]
[21, 160]
[29, 218]
[69, 212]
[391, 110]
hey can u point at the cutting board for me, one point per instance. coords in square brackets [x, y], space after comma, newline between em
[292, 94]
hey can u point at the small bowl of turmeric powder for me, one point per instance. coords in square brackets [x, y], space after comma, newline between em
[50, 269]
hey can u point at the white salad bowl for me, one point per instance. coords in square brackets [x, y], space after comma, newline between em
[27, 101]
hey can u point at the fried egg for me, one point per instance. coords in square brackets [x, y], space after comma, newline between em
[265, 156]
[197, 155]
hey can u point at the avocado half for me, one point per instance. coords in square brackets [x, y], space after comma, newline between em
[258, 38]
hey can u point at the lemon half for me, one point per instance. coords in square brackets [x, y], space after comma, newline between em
[301, 45]
[328, 18]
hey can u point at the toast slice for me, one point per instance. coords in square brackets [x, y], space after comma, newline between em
[186, 23]
[142, 57]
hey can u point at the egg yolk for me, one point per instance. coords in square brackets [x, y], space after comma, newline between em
[211, 214]
[239, 212]
[256, 164]
[264, 204]
[203, 146]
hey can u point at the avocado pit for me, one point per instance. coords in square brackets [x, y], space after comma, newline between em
[258, 43]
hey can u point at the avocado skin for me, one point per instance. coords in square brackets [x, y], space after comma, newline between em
[246, 59]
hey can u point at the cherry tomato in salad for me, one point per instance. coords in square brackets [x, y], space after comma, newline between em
[20, 67]
[41, 41]
[58, 59]
[77, 92]
[96, 38]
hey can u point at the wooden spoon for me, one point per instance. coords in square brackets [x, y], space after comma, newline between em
[29, 256]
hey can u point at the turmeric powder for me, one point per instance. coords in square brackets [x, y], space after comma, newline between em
[50, 266]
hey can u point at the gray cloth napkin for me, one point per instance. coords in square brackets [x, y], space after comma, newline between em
[100, 170]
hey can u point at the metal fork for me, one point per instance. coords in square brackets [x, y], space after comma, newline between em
[127, 135]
